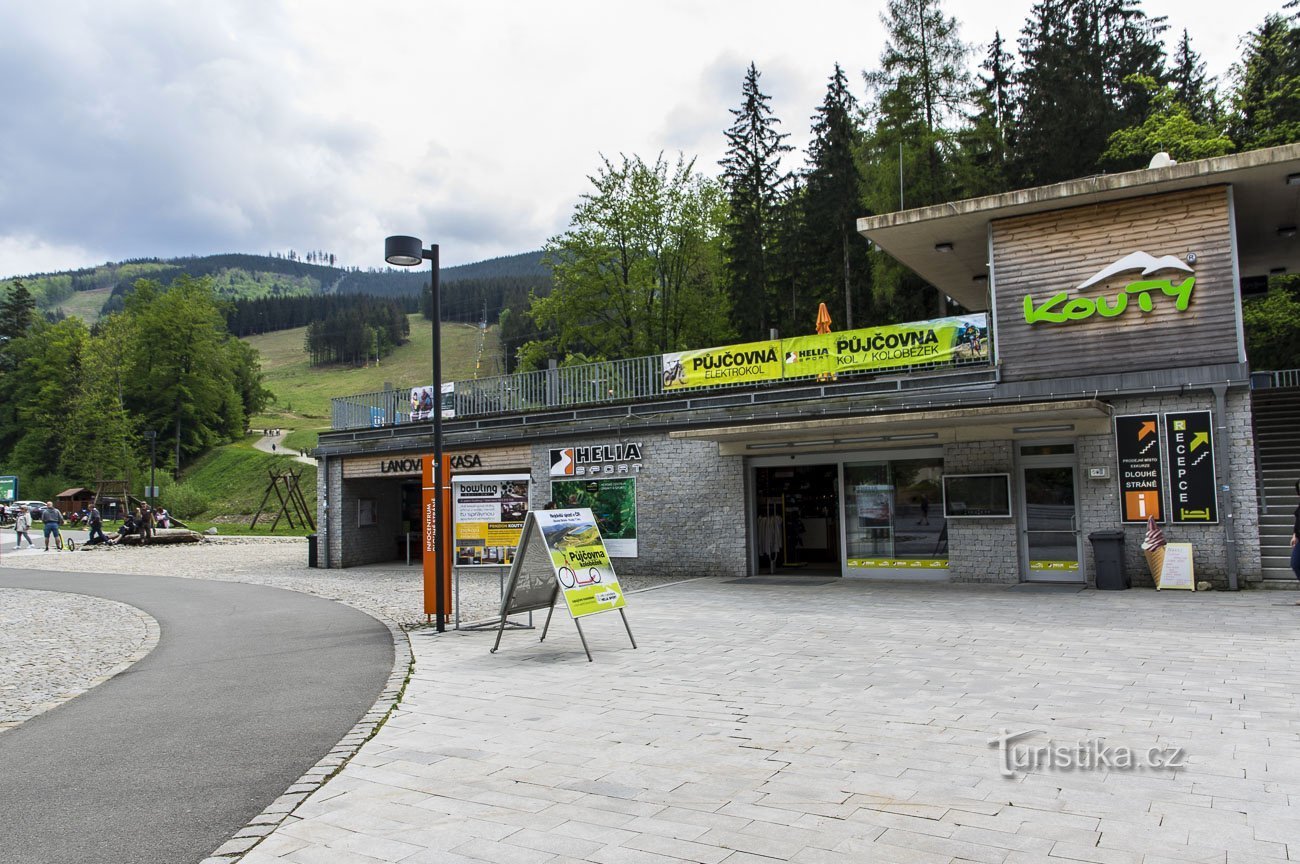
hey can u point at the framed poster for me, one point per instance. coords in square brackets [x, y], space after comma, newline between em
[366, 512]
[977, 496]
[489, 512]
[613, 500]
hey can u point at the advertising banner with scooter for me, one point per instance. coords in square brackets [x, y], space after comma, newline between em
[580, 560]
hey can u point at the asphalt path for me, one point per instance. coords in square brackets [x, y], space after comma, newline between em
[248, 687]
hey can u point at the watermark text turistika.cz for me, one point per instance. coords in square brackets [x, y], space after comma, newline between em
[1091, 755]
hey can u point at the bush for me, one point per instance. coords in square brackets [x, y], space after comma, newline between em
[183, 500]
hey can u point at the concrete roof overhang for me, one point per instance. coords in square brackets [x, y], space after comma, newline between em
[1030, 420]
[1265, 201]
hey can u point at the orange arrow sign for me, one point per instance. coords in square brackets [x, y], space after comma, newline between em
[1147, 428]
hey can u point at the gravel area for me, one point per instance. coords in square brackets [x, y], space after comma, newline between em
[394, 590]
[54, 646]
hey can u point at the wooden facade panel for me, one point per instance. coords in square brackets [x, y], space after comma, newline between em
[1046, 256]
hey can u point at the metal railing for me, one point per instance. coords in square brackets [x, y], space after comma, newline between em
[614, 381]
[1285, 378]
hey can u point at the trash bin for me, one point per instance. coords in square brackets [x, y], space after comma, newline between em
[311, 550]
[1108, 551]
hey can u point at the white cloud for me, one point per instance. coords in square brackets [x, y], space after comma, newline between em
[166, 128]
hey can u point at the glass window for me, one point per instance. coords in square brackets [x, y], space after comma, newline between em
[893, 511]
[1046, 449]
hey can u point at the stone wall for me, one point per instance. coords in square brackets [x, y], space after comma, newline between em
[1100, 498]
[982, 550]
[366, 544]
[690, 507]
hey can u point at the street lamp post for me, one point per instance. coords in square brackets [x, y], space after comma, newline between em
[152, 435]
[404, 251]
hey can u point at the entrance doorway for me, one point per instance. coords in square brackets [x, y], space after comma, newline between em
[1049, 518]
[797, 526]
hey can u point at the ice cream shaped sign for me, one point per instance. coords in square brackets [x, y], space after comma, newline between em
[1174, 284]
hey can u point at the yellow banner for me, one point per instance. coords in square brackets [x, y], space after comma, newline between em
[942, 340]
[733, 364]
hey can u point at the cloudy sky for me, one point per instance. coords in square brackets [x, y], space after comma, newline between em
[138, 129]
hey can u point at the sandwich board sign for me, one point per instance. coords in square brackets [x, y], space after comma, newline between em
[1178, 571]
[562, 552]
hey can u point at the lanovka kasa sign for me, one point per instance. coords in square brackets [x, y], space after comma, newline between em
[1144, 292]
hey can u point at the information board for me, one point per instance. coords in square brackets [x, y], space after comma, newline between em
[613, 500]
[8, 487]
[1178, 571]
[561, 551]
[1141, 469]
[490, 512]
[1192, 494]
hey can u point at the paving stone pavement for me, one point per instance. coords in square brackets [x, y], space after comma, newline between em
[54, 646]
[394, 591]
[847, 722]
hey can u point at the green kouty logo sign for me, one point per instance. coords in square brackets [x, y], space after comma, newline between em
[1060, 308]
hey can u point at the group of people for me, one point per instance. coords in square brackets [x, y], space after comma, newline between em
[143, 520]
[51, 518]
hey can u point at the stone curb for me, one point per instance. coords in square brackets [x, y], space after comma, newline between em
[261, 826]
[151, 635]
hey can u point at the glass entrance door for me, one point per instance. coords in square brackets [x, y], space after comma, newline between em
[1050, 523]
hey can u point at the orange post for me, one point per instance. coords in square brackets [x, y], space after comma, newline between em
[430, 543]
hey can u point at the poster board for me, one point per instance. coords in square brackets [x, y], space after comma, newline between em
[976, 496]
[489, 517]
[613, 500]
[1139, 468]
[562, 552]
[1178, 571]
[8, 487]
[1193, 496]
[532, 584]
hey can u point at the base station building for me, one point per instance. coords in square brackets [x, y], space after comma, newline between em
[1099, 379]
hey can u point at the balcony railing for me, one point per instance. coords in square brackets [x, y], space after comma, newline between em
[639, 379]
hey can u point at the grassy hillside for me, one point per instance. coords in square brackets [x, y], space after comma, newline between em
[237, 275]
[303, 393]
[233, 480]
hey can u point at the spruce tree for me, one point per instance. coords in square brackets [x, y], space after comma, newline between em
[17, 311]
[1266, 97]
[833, 203]
[1076, 87]
[753, 180]
[1191, 86]
[983, 154]
[921, 86]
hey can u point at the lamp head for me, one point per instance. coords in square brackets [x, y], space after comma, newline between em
[402, 251]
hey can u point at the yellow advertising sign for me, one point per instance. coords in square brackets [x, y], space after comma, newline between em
[732, 364]
[942, 340]
[580, 561]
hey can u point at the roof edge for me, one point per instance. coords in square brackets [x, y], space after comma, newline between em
[1097, 183]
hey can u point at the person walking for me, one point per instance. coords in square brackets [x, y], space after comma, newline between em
[96, 522]
[23, 524]
[1295, 548]
[51, 518]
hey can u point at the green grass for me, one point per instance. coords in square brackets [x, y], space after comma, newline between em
[234, 478]
[85, 304]
[303, 393]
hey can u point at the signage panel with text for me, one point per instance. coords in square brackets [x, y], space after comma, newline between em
[1141, 468]
[1192, 493]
